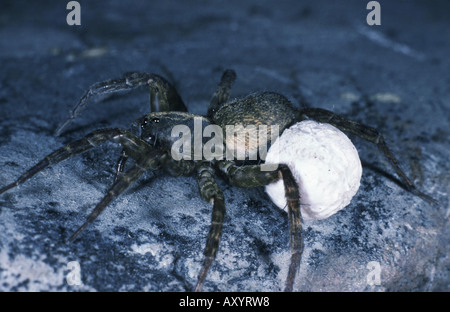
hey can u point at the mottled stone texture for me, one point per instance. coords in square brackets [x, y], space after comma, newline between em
[394, 77]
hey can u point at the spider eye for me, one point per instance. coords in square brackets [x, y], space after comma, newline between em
[144, 122]
[155, 120]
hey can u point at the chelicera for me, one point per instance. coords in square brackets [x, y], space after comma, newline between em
[150, 140]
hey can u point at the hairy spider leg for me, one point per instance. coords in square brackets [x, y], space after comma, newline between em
[292, 195]
[120, 163]
[210, 191]
[145, 156]
[120, 185]
[168, 98]
[369, 134]
[222, 93]
[253, 176]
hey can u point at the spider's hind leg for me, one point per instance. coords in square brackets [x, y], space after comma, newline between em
[369, 134]
[222, 93]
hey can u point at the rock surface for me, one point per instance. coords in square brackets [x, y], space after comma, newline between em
[393, 77]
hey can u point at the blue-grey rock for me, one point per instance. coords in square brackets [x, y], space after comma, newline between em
[394, 77]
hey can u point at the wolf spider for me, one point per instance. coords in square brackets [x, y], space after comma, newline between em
[151, 150]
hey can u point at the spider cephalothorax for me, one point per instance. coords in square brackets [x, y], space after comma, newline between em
[153, 139]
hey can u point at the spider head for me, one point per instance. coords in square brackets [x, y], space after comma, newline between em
[160, 128]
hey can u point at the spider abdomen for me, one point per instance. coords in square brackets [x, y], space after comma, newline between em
[247, 117]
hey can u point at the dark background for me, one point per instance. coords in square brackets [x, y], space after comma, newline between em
[394, 77]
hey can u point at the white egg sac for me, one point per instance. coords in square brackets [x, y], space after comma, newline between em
[325, 164]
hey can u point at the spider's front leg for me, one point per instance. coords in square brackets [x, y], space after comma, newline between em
[367, 133]
[146, 158]
[254, 176]
[168, 98]
[210, 191]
